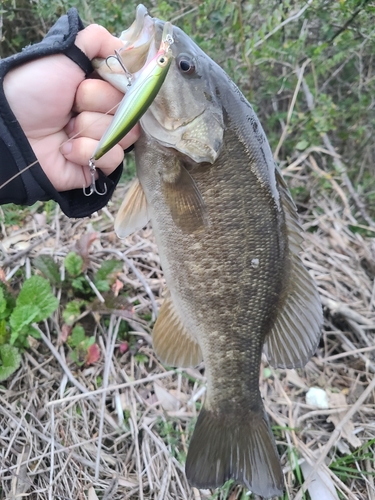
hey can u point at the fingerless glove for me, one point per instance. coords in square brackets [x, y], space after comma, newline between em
[16, 154]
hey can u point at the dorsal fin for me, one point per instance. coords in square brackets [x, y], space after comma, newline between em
[296, 331]
[132, 214]
[173, 344]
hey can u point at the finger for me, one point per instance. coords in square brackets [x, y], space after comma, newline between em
[97, 95]
[96, 41]
[80, 150]
[94, 125]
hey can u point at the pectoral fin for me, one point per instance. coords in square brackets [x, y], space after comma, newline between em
[133, 211]
[173, 344]
[184, 199]
[296, 332]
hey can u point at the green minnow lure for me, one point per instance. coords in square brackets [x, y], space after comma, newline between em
[135, 103]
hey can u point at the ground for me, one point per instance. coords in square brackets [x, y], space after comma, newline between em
[119, 427]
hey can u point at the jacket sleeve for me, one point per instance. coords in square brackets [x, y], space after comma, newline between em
[22, 180]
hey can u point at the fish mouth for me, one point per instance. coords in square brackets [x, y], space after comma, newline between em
[140, 46]
[137, 50]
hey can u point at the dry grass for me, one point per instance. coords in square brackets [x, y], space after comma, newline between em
[118, 429]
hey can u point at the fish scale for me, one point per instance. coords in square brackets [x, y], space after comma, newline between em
[245, 296]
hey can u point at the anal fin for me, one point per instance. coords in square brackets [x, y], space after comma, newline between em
[173, 344]
[132, 214]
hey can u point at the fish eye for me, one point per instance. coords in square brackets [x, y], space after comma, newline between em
[185, 64]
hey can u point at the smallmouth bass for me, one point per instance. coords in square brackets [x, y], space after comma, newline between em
[229, 241]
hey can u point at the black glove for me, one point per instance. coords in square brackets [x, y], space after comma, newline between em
[16, 154]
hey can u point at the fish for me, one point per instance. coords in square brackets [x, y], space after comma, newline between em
[229, 240]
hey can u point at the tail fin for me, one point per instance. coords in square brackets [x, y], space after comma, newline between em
[234, 448]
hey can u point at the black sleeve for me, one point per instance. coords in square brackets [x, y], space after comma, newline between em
[16, 154]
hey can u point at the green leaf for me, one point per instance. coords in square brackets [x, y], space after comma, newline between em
[9, 301]
[102, 285]
[73, 264]
[78, 335]
[3, 332]
[10, 361]
[78, 357]
[88, 342]
[302, 145]
[80, 284]
[21, 318]
[3, 302]
[34, 333]
[37, 291]
[72, 311]
[107, 268]
[49, 268]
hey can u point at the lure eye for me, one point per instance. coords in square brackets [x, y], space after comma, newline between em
[185, 65]
[162, 61]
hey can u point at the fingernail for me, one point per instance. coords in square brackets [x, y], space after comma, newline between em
[66, 148]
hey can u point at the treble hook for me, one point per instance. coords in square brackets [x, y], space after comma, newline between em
[117, 56]
[92, 188]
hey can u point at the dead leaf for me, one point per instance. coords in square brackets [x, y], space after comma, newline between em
[66, 330]
[294, 379]
[21, 482]
[93, 354]
[117, 286]
[123, 347]
[165, 398]
[40, 219]
[321, 487]
[336, 400]
[33, 342]
[92, 494]
[3, 276]
[83, 246]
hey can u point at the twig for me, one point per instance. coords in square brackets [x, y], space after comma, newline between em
[338, 163]
[7, 262]
[369, 364]
[112, 335]
[139, 276]
[335, 436]
[348, 23]
[354, 352]
[61, 362]
[313, 149]
[342, 169]
[335, 186]
[134, 426]
[281, 25]
[112, 388]
[340, 308]
[50, 490]
[300, 72]
[94, 289]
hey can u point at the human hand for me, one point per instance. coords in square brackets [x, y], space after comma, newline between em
[46, 94]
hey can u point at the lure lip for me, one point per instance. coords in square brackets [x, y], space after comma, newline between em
[140, 95]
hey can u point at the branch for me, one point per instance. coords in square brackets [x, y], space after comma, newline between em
[284, 23]
[348, 23]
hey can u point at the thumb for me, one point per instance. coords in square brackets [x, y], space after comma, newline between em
[96, 41]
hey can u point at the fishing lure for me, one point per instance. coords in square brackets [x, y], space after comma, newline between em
[135, 103]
